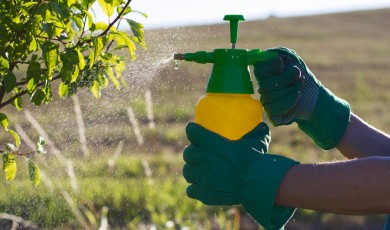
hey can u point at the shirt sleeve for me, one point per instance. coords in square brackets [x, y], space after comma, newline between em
[387, 223]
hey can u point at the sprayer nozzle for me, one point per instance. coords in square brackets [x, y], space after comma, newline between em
[179, 56]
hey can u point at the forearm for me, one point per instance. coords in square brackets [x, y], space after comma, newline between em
[362, 140]
[358, 186]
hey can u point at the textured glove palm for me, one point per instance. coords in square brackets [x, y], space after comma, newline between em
[224, 172]
[290, 93]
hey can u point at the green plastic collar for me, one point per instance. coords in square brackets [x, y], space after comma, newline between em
[230, 72]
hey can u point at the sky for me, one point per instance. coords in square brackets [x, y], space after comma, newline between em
[171, 13]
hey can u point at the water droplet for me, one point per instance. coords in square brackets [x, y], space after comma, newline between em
[176, 64]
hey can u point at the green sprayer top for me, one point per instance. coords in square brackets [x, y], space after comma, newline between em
[230, 73]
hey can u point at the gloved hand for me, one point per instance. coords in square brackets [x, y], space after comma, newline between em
[225, 172]
[290, 93]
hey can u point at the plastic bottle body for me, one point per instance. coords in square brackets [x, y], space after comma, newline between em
[230, 115]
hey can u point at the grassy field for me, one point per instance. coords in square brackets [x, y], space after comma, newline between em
[349, 53]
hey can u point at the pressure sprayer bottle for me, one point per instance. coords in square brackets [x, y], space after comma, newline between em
[228, 107]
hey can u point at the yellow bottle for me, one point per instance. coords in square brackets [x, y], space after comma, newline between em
[228, 107]
[230, 115]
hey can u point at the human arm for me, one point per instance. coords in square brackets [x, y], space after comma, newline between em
[223, 172]
[363, 140]
[356, 187]
[290, 92]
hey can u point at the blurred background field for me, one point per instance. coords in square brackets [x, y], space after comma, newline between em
[132, 179]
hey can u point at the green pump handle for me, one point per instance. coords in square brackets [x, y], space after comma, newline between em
[234, 20]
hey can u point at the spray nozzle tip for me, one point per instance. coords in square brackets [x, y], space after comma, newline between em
[179, 56]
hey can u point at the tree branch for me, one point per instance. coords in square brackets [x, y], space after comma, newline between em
[80, 43]
[23, 92]
[2, 92]
[26, 154]
[112, 41]
[115, 20]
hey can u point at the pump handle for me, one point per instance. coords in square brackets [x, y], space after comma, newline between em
[234, 20]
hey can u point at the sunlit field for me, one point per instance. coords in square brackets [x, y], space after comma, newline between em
[127, 171]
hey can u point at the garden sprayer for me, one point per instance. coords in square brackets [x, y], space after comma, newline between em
[228, 107]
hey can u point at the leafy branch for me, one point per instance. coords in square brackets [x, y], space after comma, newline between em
[116, 19]
[23, 92]
[38, 37]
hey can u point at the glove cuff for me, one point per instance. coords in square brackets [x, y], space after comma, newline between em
[262, 181]
[328, 121]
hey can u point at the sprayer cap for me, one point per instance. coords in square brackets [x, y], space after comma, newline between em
[230, 72]
[234, 19]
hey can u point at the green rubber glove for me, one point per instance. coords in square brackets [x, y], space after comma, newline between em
[225, 172]
[290, 93]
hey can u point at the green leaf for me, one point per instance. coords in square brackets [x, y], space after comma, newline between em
[63, 89]
[120, 41]
[89, 17]
[34, 173]
[87, 3]
[32, 84]
[137, 29]
[71, 2]
[34, 57]
[15, 136]
[78, 22]
[18, 102]
[67, 67]
[129, 43]
[81, 61]
[119, 68]
[75, 74]
[9, 82]
[100, 26]
[33, 70]
[107, 56]
[108, 6]
[95, 89]
[103, 81]
[60, 9]
[33, 44]
[50, 53]
[49, 28]
[43, 11]
[99, 43]
[38, 97]
[9, 166]
[28, 5]
[4, 121]
[126, 11]
[4, 65]
[111, 75]
[47, 91]
[71, 59]
[91, 58]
